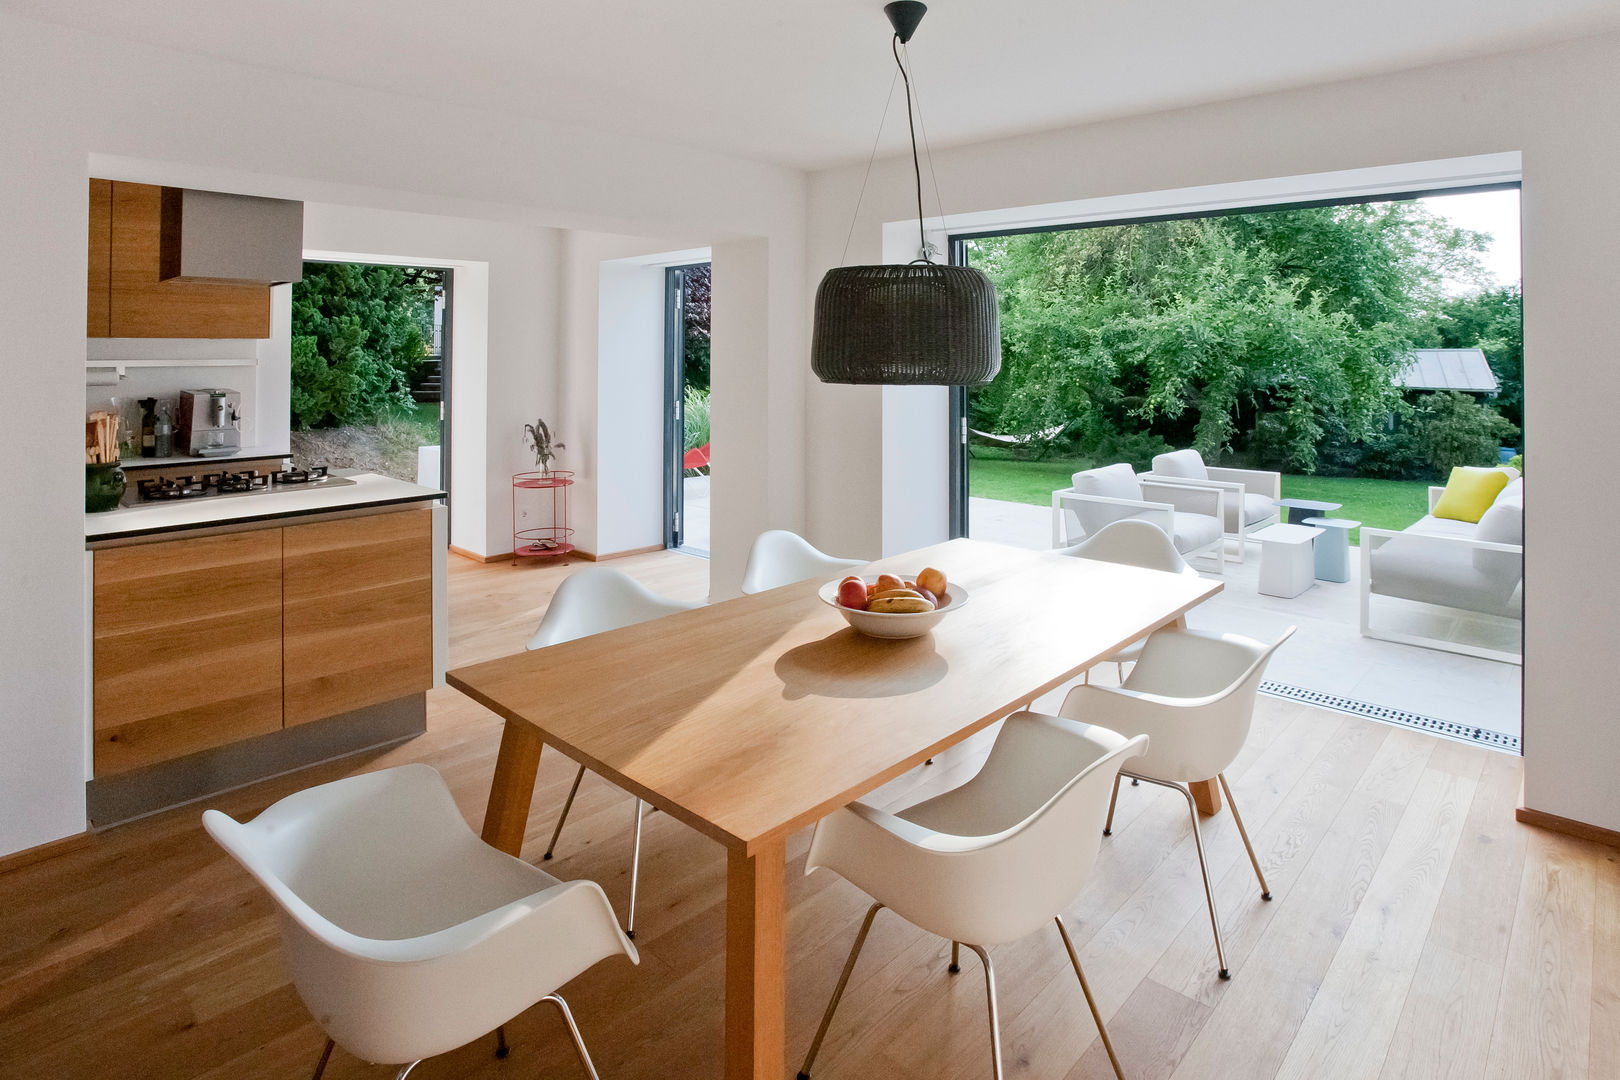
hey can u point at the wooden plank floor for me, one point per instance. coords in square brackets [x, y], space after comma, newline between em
[1417, 930]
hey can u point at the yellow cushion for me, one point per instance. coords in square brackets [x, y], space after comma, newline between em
[1469, 493]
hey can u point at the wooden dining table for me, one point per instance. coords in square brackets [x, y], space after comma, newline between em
[753, 718]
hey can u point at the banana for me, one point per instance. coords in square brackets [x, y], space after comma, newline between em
[899, 605]
[893, 593]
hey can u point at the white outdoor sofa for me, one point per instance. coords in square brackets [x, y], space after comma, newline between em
[1458, 566]
[1190, 515]
[1251, 494]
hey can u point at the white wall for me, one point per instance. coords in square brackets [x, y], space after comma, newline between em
[1560, 107]
[630, 406]
[77, 101]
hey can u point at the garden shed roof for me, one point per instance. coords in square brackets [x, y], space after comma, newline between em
[1448, 369]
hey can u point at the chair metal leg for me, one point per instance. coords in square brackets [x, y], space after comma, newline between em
[1209, 890]
[564, 816]
[320, 1066]
[1091, 1002]
[501, 1049]
[635, 871]
[573, 1031]
[1108, 826]
[1265, 890]
[405, 1070]
[956, 956]
[995, 1022]
[1203, 865]
[838, 991]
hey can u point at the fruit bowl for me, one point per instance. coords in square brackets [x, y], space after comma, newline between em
[893, 624]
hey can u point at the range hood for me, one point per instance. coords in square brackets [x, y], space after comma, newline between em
[211, 236]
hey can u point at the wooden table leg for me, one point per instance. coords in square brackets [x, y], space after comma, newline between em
[755, 982]
[506, 818]
[1207, 794]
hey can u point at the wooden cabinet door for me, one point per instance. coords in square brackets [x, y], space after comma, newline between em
[143, 305]
[98, 296]
[187, 641]
[358, 612]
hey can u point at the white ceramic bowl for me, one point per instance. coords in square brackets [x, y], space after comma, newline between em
[893, 624]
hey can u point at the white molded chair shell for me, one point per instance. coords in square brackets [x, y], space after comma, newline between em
[780, 558]
[598, 599]
[1132, 542]
[998, 857]
[1191, 692]
[406, 935]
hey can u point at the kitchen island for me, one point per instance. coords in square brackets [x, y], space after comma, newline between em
[237, 636]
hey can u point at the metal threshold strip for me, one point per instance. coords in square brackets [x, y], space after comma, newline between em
[1467, 733]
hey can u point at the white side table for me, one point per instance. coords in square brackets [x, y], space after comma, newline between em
[1287, 563]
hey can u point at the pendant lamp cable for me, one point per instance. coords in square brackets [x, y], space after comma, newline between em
[928, 151]
[916, 165]
[843, 257]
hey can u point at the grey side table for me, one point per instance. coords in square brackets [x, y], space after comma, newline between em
[1332, 547]
[1298, 509]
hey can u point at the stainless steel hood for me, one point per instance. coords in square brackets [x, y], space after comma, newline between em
[213, 236]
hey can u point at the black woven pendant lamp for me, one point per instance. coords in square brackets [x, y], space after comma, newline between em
[921, 323]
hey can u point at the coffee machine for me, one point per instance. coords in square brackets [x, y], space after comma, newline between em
[209, 423]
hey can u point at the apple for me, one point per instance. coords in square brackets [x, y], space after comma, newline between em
[885, 582]
[852, 593]
[926, 595]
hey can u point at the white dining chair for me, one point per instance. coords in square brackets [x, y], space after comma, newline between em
[780, 558]
[988, 862]
[1131, 542]
[594, 601]
[1192, 693]
[406, 935]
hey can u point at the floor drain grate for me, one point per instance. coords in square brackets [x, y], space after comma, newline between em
[1462, 732]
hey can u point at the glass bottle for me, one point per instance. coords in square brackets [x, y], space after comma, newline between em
[148, 427]
[162, 435]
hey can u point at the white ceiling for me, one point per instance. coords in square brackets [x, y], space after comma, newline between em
[803, 83]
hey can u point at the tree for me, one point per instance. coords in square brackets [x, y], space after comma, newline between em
[1197, 329]
[695, 332]
[357, 337]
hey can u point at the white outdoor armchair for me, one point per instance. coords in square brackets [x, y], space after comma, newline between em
[1190, 515]
[990, 861]
[1251, 494]
[780, 558]
[406, 935]
[593, 601]
[1192, 694]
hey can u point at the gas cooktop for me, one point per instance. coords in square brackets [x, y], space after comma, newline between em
[238, 482]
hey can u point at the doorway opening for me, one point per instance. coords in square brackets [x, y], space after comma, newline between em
[686, 427]
[371, 369]
[1354, 349]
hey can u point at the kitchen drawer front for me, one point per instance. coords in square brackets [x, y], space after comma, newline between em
[98, 296]
[187, 641]
[358, 612]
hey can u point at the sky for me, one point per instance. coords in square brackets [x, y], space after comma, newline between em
[1494, 212]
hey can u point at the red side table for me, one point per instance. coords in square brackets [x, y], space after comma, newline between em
[551, 536]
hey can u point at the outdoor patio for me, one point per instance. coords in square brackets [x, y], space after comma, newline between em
[1328, 661]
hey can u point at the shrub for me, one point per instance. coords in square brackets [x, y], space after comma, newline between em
[1517, 462]
[696, 408]
[1453, 429]
[357, 337]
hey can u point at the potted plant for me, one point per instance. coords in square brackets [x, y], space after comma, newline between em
[537, 437]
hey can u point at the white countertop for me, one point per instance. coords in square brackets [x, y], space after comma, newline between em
[368, 489]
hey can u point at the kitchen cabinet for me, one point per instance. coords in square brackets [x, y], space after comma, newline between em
[98, 300]
[187, 646]
[204, 641]
[139, 303]
[358, 616]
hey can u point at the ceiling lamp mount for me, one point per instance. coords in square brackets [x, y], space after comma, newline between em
[915, 324]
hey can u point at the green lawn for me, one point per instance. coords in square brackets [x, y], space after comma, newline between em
[1381, 504]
